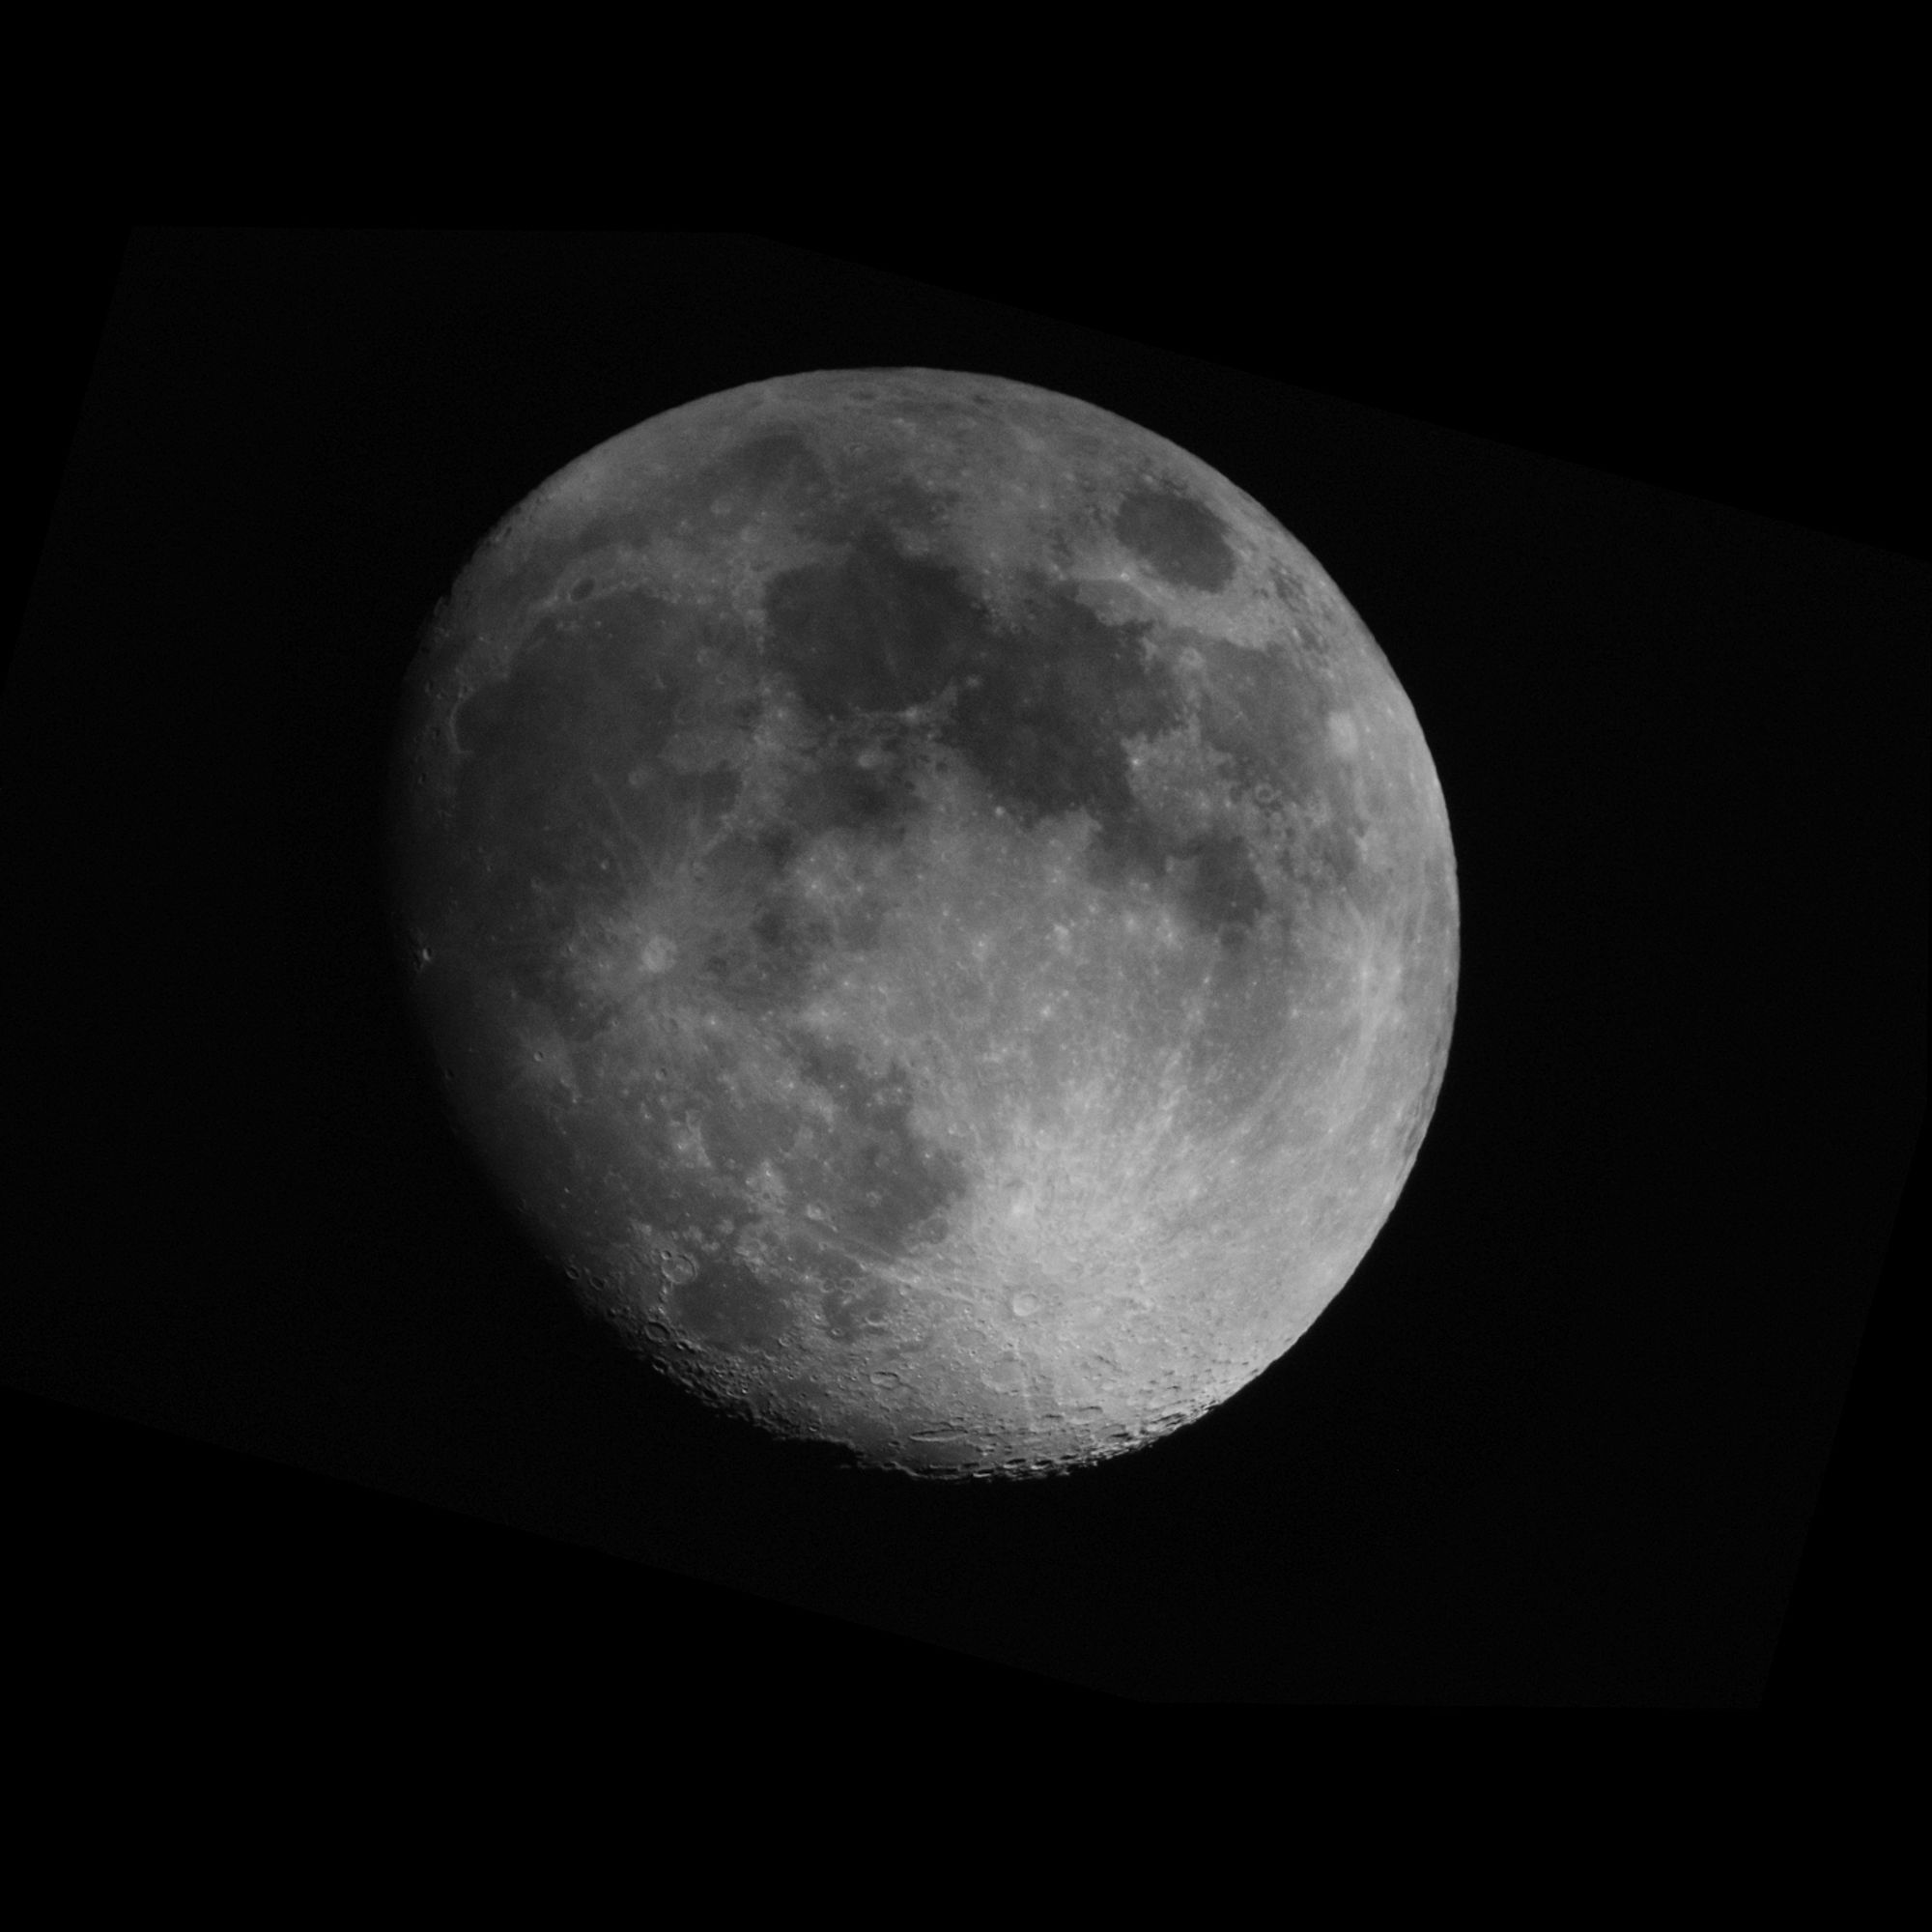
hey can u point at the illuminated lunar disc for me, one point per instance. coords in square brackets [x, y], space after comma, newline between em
[935, 909]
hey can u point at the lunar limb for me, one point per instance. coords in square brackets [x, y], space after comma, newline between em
[935, 908]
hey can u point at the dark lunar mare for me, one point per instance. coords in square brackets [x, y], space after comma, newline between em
[1041, 713]
[1179, 535]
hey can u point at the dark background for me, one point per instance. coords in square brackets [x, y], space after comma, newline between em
[291, 1408]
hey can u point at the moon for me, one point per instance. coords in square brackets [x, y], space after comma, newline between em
[932, 909]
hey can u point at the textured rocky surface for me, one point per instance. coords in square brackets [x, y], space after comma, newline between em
[934, 906]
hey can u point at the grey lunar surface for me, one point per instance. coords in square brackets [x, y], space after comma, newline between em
[935, 909]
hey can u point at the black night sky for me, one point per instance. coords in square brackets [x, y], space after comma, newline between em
[1605, 1413]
